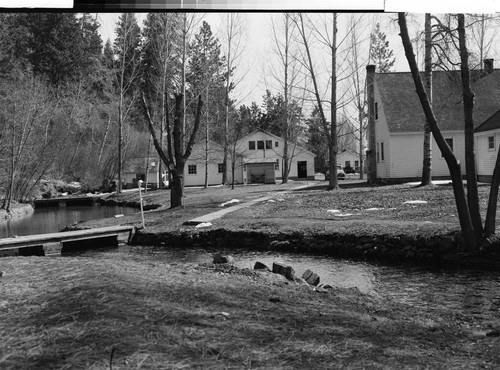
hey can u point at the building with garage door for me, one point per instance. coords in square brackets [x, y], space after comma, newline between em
[258, 159]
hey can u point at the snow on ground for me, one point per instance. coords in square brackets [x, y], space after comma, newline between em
[232, 201]
[204, 224]
[434, 182]
[415, 202]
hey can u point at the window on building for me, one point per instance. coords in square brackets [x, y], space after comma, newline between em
[192, 169]
[276, 144]
[348, 163]
[356, 164]
[491, 142]
[376, 110]
[277, 165]
[260, 144]
[382, 152]
[269, 144]
[221, 167]
[251, 145]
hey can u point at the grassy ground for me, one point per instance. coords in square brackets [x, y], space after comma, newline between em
[356, 207]
[130, 312]
[125, 311]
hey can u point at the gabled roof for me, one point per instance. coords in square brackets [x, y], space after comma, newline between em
[492, 123]
[404, 112]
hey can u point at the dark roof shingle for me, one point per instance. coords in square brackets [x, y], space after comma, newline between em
[404, 112]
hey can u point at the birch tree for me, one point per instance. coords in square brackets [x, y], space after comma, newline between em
[467, 204]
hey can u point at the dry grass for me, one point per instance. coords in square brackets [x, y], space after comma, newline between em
[74, 312]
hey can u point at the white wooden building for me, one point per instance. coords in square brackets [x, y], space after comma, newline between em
[396, 125]
[258, 159]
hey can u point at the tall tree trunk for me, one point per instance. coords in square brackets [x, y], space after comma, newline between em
[427, 161]
[470, 158]
[490, 222]
[466, 225]
[333, 148]
[103, 142]
[286, 118]
[207, 140]
[146, 176]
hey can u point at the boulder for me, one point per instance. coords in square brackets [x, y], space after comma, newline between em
[260, 266]
[285, 270]
[219, 258]
[311, 277]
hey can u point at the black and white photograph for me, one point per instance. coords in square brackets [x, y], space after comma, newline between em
[249, 186]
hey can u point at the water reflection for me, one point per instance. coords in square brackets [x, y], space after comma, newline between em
[49, 220]
[474, 295]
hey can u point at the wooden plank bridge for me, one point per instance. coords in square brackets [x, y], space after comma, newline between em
[65, 201]
[70, 241]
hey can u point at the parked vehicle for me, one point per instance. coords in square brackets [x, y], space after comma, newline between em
[340, 174]
[349, 169]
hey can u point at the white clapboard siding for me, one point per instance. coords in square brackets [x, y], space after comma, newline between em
[485, 157]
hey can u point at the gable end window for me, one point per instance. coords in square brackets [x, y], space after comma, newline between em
[382, 152]
[491, 142]
[221, 167]
[192, 169]
[269, 144]
[276, 144]
[251, 145]
[260, 144]
[376, 110]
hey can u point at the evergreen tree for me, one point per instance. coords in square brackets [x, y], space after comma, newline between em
[380, 53]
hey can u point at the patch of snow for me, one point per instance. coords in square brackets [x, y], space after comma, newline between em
[333, 211]
[415, 202]
[65, 194]
[271, 201]
[230, 202]
[120, 215]
[346, 214]
[373, 209]
[280, 200]
[434, 182]
[204, 224]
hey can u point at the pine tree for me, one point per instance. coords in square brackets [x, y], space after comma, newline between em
[380, 53]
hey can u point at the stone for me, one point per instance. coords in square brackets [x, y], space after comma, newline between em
[260, 266]
[310, 277]
[285, 270]
[219, 258]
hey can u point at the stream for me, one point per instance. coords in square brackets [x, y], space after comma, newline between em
[53, 219]
[474, 294]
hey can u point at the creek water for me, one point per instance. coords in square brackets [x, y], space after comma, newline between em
[53, 219]
[472, 294]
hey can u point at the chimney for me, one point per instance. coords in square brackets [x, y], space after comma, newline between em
[371, 158]
[488, 66]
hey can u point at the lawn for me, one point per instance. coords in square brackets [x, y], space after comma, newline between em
[354, 208]
[120, 311]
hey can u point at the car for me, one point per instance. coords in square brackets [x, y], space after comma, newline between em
[340, 174]
[349, 169]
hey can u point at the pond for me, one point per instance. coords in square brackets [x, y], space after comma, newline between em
[53, 219]
[473, 295]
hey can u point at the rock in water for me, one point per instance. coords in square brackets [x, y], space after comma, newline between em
[311, 277]
[219, 258]
[285, 270]
[260, 266]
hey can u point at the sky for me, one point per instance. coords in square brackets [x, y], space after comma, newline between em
[258, 54]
